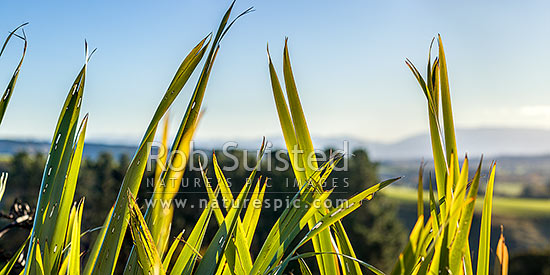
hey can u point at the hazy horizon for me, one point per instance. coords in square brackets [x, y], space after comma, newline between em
[493, 143]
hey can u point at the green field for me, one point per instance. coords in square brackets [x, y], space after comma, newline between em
[504, 206]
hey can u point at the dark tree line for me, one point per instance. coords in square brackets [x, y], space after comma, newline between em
[377, 234]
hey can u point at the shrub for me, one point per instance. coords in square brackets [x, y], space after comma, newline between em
[437, 245]
[440, 244]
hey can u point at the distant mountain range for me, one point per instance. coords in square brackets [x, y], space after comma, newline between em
[491, 142]
[91, 150]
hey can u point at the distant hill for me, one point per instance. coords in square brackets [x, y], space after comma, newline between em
[491, 142]
[91, 150]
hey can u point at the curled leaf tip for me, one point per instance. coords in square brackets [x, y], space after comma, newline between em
[90, 55]
[249, 10]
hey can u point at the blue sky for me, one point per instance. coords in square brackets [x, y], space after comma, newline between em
[348, 59]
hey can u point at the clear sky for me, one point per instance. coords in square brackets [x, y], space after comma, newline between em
[348, 59]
